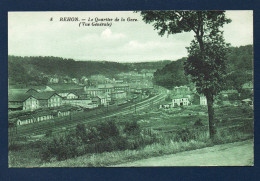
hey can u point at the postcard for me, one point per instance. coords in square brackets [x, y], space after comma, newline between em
[130, 88]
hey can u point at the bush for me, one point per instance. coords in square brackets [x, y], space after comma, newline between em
[105, 137]
[81, 132]
[93, 134]
[198, 123]
[48, 133]
[14, 147]
[107, 130]
[132, 128]
[61, 148]
[168, 99]
[184, 135]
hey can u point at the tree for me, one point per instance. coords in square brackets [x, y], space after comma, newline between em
[132, 128]
[171, 75]
[81, 132]
[206, 59]
[108, 129]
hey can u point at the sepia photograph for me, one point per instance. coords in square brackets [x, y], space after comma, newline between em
[150, 88]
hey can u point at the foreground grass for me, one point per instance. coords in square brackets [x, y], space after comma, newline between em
[31, 157]
[230, 129]
[157, 149]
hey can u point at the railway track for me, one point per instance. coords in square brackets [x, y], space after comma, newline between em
[57, 125]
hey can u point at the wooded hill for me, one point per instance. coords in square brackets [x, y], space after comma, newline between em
[239, 68]
[36, 70]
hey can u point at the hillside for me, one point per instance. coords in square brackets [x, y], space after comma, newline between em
[28, 70]
[239, 68]
[36, 70]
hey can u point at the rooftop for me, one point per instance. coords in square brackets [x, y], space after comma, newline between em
[103, 86]
[18, 97]
[231, 91]
[60, 87]
[44, 95]
[179, 96]
[121, 85]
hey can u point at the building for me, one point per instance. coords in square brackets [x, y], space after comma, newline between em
[59, 87]
[77, 102]
[122, 87]
[106, 88]
[40, 116]
[93, 91]
[54, 100]
[26, 101]
[247, 101]
[227, 93]
[31, 103]
[15, 101]
[203, 100]
[84, 80]
[37, 89]
[118, 95]
[43, 99]
[103, 100]
[32, 91]
[118, 81]
[96, 100]
[72, 95]
[180, 100]
[181, 90]
[54, 80]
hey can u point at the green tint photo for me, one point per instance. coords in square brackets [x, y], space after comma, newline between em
[130, 88]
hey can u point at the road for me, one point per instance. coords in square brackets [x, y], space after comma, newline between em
[231, 154]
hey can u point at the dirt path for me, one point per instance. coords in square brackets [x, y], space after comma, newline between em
[232, 154]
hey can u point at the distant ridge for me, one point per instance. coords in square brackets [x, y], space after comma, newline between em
[37, 70]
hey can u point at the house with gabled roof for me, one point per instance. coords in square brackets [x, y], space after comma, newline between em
[34, 100]
[43, 99]
[31, 103]
[64, 89]
[32, 91]
[15, 101]
[180, 100]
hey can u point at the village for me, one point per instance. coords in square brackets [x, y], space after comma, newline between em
[37, 103]
[61, 97]
[38, 114]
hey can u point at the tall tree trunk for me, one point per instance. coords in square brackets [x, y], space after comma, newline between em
[212, 129]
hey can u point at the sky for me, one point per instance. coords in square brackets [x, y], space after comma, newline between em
[34, 34]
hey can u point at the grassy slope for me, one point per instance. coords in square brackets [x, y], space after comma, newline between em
[236, 126]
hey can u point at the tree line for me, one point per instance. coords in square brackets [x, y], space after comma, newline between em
[36, 70]
[239, 68]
